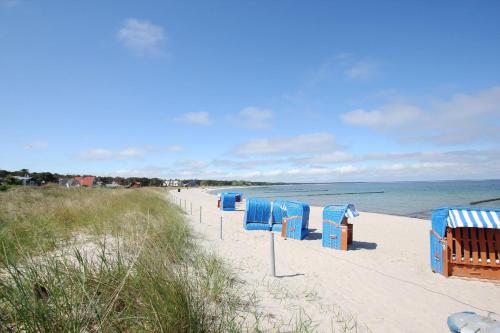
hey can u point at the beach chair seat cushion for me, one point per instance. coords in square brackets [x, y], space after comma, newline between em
[257, 214]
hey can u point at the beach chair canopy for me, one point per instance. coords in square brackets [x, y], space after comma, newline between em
[337, 212]
[287, 209]
[351, 211]
[464, 217]
[258, 211]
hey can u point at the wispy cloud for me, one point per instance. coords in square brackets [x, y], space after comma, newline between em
[197, 118]
[254, 118]
[332, 70]
[38, 144]
[463, 119]
[339, 165]
[388, 115]
[174, 149]
[300, 144]
[361, 70]
[125, 153]
[9, 3]
[142, 37]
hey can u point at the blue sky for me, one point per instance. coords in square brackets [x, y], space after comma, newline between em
[260, 90]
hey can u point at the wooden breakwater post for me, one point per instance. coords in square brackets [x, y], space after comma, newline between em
[200, 213]
[483, 201]
[185, 208]
[191, 211]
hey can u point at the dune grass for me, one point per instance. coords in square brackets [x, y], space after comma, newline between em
[136, 268]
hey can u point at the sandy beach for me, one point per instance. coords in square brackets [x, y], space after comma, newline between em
[384, 283]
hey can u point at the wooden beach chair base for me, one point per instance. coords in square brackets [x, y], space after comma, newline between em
[472, 253]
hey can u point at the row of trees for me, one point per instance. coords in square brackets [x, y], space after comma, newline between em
[48, 177]
[210, 182]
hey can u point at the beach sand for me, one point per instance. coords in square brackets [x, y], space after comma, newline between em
[384, 283]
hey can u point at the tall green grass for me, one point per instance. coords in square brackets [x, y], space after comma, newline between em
[139, 271]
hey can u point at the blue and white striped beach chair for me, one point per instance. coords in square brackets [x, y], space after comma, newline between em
[466, 242]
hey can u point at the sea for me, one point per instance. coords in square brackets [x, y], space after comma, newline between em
[414, 199]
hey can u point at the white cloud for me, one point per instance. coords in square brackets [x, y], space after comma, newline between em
[105, 154]
[38, 144]
[197, 118]
[255, 118]
[389, 115]
[96, 154]
[125, 153]
[326, 158]
[174, 149]
[142, 36]
[190, 164]
[300, 144]
[130, 152]
[469, 164]
[462, 119]
[362, 70]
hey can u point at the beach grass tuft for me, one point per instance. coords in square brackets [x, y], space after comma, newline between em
[97, 260]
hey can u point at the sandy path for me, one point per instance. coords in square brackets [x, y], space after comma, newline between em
[385, 283]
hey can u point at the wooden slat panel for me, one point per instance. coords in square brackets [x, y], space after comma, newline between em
[497, 244]
[450, 241]
[474, 250]
[482, 247]
[492, 273]
[458, 244]
[491, 246]
[466, 245]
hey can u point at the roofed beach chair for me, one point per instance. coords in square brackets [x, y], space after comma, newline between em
[227, 201]
[257, 214]
[291, 219]
[466, 242]
[337, 232]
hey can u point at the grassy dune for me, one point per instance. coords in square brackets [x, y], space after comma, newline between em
[92, 260]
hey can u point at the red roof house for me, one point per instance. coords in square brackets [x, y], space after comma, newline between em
[87, 181]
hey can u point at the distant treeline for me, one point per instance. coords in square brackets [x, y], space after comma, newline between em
[39, 178]
[211, 182]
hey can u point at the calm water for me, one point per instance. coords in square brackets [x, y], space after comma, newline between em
[416, 199]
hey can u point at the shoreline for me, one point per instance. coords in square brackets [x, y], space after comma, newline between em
[210, 190]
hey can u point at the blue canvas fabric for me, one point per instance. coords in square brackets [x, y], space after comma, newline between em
[332, 218]
[277, 227]
[297, 215]
[279, 211]
[227, 201]
[467, 321]
[485, 218]
[257, 214]
[439, 220]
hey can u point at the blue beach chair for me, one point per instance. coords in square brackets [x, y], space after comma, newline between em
[227, 201]
[257, 214]
[291, 219]
[337, 232]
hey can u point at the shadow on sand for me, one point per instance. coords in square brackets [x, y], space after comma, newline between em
[313, 235]
[289, 275]
[362, 246]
